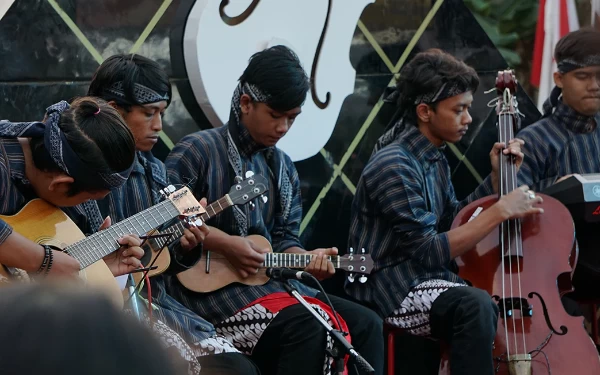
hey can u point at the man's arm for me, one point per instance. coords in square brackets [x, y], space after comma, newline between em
[396, 189]
[20, 252]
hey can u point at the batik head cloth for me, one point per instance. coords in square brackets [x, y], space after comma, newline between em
[60, 151]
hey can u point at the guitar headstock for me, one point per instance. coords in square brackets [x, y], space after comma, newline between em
[361, 264]
[245, 190]
[184, 201]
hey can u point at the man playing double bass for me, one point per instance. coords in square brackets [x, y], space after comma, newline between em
[405, 203]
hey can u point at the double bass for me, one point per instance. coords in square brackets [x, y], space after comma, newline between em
[521, 264]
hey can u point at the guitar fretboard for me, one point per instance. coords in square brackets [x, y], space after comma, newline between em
[211, 210]
[294, 260]
[95, 247]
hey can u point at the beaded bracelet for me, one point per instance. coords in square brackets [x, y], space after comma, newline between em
[47, 259]
[49, 262]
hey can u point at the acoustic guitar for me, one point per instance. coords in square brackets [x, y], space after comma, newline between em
[214, 271]
[44, 223]
[243, 192]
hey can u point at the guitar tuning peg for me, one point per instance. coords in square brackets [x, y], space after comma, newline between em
[252, 205]
[238, 179]
[264, 198]
[193, 222]
[363, 279]
[362, 251]
[249, 174]
[351, 251]
[351, 277]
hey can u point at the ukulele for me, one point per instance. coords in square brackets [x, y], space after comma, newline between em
[214, 271]
[243, 192]
[43, 223]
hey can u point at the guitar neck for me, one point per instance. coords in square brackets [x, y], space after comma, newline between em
[95, 247]
[212, 209]
[289, 260]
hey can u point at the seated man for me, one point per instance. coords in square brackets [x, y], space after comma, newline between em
[92, 152]
[140, 90]
[567, 139]
[403, 208]
[285, 338]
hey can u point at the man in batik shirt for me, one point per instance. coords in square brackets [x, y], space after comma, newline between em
[566, 140]
[264, 321]
[140, 90]
[403, 208]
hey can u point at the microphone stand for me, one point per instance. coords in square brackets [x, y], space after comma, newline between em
[134, 300]
[341, 346]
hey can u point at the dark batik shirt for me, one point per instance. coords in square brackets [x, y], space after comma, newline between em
[141, 191]
[563, 143]
[202, 161]
[16, 191]
[403, 206]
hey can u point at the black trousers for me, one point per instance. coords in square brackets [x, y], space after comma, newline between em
[466, 318]
[295, 342]
[227, 364]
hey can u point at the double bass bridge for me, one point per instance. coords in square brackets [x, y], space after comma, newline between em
[507, 306]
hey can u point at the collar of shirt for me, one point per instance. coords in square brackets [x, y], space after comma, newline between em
[145, 161]
[245, 143]
[573, 120]
[421, 147]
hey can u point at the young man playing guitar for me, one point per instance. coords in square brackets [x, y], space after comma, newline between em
[284, 338]
[140, 90]
[403, 208]
[78, 153]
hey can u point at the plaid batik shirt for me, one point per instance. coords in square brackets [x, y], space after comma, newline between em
[563, 143]
[403, 206]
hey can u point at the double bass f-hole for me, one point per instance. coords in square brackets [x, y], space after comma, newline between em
[233, 21]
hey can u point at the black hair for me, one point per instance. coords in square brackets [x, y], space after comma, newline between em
[426, 72]
[278, 73]
[129, 69]
[57, 329]
[578, 45]
[101, 140]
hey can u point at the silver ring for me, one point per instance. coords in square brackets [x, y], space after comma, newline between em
[531, 194]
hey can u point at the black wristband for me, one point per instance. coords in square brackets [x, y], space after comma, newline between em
[46, 260]
[49, 262]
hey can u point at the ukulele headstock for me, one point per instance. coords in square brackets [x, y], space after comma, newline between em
[183, 200]
[360, 263]
[245, 190]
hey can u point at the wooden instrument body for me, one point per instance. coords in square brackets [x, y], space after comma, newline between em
[222, 273]
[153, 255]
[548, 253]
[44, 223]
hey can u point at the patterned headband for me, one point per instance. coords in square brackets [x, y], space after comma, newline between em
[141, 93]
[59, 149]
[568, 65]
[249, 89]
[447, 90]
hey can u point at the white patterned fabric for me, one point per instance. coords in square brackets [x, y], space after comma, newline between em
[413, 313]
[245, 328]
